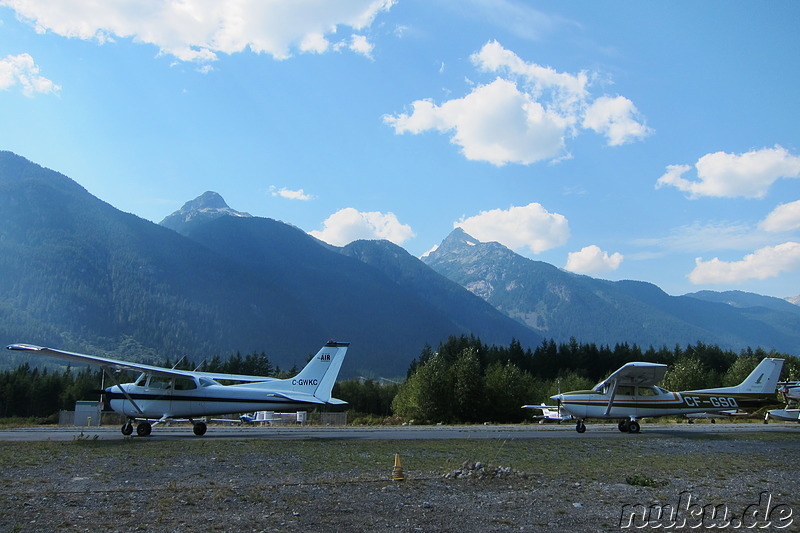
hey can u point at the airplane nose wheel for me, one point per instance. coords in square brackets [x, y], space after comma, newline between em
[623, 426]
[633, 426]
[580, 427]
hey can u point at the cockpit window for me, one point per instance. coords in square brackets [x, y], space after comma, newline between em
[159, 382]
[648, 391]
[185, 384]
[207, 382]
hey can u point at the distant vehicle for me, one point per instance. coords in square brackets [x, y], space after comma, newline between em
[630, 394]
[791, 395]
[550, 413]
[163, 394]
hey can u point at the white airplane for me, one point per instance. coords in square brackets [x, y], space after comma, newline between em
[163, 394]
[550, 413]
[630, 394]
[791, 395]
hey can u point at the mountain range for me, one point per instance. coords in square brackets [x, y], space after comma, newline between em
[561, 305]
[78, 274]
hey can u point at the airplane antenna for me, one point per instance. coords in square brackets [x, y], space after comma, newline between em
[178, 362]
[198, 367]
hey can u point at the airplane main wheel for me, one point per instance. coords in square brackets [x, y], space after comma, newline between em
[633, 426]
[127, 428]
[580, 427]
[624, 426]
[199, 429]
[144, 429]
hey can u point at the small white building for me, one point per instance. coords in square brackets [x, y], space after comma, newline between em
[87, 413]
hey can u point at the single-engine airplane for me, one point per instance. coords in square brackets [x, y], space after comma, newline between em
[630, 394]
[550, 413]
[791, 395]
[162, 394]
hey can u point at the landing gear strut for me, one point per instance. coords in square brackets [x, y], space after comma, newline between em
[127, 428]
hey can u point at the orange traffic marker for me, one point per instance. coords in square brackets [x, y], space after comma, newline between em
[397, 471]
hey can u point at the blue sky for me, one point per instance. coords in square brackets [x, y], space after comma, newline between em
[639, 140]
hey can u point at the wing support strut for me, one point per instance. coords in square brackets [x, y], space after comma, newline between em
[123, 391]
[611, 398]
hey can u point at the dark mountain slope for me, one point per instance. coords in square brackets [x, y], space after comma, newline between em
[354, 299]
[81, 275]
[470, 312]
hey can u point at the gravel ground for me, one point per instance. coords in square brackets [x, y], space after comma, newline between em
[519, 485]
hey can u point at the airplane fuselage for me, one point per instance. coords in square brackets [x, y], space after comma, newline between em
[651, 402]
[201, 398]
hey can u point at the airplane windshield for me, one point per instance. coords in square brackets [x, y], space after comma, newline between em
[207, 382]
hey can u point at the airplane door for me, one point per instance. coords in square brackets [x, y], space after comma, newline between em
[188, 398]
[156, 401]
[645, 397]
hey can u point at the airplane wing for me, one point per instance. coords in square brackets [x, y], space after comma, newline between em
[103, 362]
[115, 364]
[641, 374]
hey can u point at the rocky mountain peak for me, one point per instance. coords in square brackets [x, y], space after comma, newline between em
[206, 207]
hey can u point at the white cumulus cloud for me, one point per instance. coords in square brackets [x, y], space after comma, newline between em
[725, 175]
[349, 224]
[785, 217]
[289, 194]
[495, 123]
[591, 259]
[530, 226]
[616, 118]
[21, 70]
[525, 115]
[197, 30]
[764, 263]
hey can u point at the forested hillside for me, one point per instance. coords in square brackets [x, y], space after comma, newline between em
[79, 274]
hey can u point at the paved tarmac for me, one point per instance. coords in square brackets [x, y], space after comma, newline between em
[519, 431]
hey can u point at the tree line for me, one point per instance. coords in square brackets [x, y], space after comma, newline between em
[465, 381]
[462, 381]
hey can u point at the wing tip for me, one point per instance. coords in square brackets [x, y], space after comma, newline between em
[24, 347]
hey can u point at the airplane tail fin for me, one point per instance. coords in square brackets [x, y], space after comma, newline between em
[762, 380]
[318, 376]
